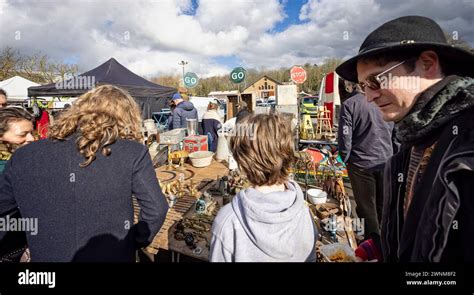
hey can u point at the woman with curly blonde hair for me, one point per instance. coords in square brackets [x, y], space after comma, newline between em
[99, 122]
[79, 182]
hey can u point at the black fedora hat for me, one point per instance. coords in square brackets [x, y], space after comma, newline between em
[405, 34]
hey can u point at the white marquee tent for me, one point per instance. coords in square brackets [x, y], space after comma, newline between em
[17, 88]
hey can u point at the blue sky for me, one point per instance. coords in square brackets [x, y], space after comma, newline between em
[292, 10]
[291, 7]
[229, 61]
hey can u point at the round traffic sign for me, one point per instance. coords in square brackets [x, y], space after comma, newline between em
[298, 75]
[237, 75]
[190, 80]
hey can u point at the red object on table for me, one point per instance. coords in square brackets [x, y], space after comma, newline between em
[196, 143]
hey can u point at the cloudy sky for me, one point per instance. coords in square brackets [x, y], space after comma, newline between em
[213, 36]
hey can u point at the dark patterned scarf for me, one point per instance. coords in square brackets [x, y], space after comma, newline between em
[435, 107]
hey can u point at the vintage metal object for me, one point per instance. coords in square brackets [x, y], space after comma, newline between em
[331, 226]
[179, 231]
[206, 204]
[181, 155]
[172, 201]
[173, 176]
[200, 207]
[193, 191]
[189, 240]
[197, 250]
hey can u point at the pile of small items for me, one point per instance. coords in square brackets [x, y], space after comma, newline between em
[236, 182]
[178, 189]
[195, 229]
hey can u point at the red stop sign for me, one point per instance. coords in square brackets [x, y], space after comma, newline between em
[298, 75]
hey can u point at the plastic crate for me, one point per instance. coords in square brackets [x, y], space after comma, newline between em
[174, 136]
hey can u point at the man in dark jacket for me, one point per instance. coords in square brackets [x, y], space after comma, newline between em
[243, 112]
[425, 86]
[183, 110]
[365, 144]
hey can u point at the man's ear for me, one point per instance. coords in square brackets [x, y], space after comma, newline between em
[429, 63]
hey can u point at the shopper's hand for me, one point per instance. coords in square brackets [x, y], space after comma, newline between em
[368, 252]
[358, 259]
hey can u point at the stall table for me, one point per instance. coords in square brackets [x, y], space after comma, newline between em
[204, 178]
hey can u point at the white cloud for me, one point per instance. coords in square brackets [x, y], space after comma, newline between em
[151, 37]
[3, 3]
[257, 16]
[328, 23]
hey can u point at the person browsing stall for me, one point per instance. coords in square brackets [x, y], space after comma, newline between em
[183, 110]
[78, 183]
[268, 222]
[426, 87]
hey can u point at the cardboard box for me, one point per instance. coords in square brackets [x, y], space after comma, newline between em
[196, 143]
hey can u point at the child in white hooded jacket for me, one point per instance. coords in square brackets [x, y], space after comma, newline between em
[268, 222]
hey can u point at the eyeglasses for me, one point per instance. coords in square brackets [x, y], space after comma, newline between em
[374, 81]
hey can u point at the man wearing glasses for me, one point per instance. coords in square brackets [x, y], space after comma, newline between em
[3, 99]
[424, 85]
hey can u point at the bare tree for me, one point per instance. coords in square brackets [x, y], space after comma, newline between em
[9, 60]
[37, 67]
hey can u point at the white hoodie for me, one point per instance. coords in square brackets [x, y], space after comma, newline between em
[273, 227]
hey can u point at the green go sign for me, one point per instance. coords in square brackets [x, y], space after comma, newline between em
[190, 80]
[237, 75]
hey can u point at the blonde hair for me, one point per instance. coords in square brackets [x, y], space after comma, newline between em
[265, 151]
[99, 117]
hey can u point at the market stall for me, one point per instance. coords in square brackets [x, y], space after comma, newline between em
[150, 96]
[201, 180]
[196, 194]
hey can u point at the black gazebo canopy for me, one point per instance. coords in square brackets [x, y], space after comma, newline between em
[150, 96]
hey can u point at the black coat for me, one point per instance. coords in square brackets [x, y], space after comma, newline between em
[210, 127]
[439, 225]
[241, 115]
[364, 138]
[84, 214]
